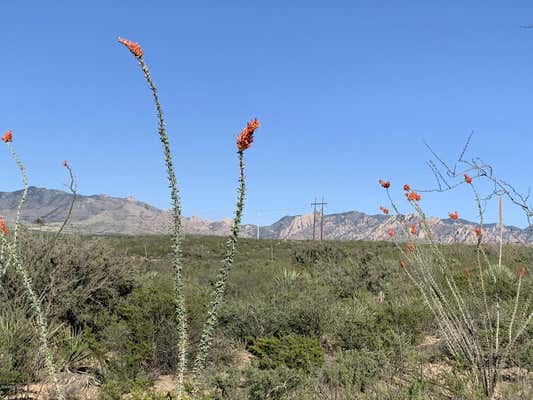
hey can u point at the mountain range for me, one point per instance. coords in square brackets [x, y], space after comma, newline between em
[45, 209]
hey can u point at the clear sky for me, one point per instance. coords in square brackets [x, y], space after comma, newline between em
[346, 91]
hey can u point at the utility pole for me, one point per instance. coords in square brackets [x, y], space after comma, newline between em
[258, 215]
[314, 218]
[321, 204]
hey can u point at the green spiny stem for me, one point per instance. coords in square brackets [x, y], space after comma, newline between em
[50, 245]
[181, 314]
[220, 285]
[22, 169]
[28, 286]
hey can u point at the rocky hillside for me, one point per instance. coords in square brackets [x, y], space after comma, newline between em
[46, 209]
[101, 214]
[355, 225]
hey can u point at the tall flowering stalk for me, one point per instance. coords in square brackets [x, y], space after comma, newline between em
[244, 141]
[470, 323]
[181, 314]
[14, 259]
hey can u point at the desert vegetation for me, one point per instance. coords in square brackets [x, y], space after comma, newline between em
[301, 320]
[157, 317]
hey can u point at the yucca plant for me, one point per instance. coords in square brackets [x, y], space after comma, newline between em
[479, 328]
[244, 141]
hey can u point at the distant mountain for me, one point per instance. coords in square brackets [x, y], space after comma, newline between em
[355, 225]
[45, 209]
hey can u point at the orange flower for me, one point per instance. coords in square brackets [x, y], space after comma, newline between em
[412, 229]
[522, 271]
[478, 231]
[468, 179]
[468, 273]
[413, 196]
[384, 184]
[135, 48]
[391, 232]
[402, 264]
[453, 215]
[410, 247]
[406, 187]
[384, 210]
[7, 137]
[246, 137]
[3, 227]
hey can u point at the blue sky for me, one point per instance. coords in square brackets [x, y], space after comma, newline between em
[346, 91]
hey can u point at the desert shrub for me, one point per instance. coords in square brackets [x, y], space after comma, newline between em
[80, 280]
[351, 372]
[115, 389]
[272, 384]
[294, 352]
[144, 332]
[303, 312]
[309, 257]
[364, 325]
[19, 356]
[362, 271]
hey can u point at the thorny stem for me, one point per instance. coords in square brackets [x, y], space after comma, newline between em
[73, 189]
[181, 313]
[28, 286]
[220, 285]
[22, 169]
[515, 308]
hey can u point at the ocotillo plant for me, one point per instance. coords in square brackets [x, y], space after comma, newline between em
[244, 141]
[181, 314]
[469, 320]
[10, 256]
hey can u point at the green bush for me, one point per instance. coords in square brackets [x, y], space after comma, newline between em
[272, 384]
[294, 352]
[144, 334]
[352, 372]
[365, 325]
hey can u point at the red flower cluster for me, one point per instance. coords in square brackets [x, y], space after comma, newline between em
[478, 231]
[453, 215]
[391, 232]
[522, 271]
[406, 187]
[410, 247]
[3, 227]
[135, 48]
[65, 163]
[246, 137]
[468, 179]
[412, 229]
[402, 264]
[7, 137]
[384, 210]
[384, 184]
[413, 196]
